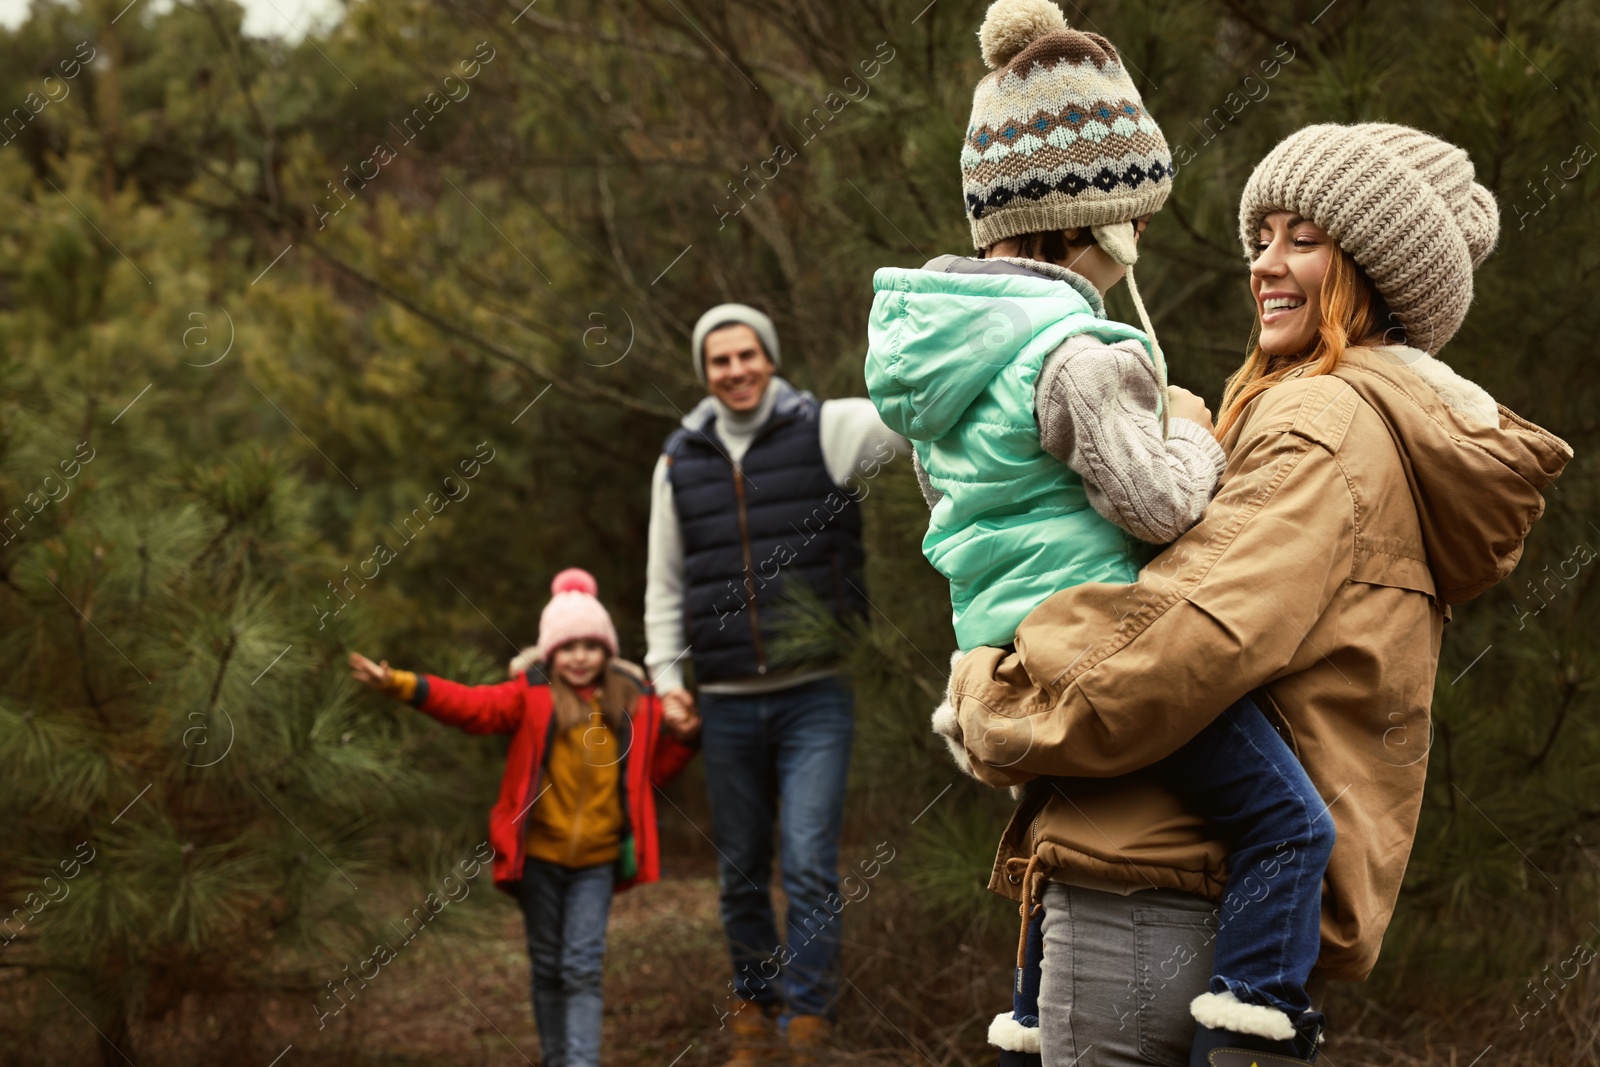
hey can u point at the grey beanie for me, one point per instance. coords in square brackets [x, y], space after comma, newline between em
[732, 315]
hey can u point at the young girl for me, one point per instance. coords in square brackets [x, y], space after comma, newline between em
[1047, 441]
[576, 818]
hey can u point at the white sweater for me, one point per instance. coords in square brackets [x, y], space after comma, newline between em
[855, 445]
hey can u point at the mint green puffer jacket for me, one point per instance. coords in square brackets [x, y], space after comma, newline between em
[951, 364]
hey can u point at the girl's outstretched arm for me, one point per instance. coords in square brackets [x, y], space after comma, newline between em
[477, 709]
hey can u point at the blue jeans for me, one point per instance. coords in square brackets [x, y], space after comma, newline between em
[565, 910]
[1243, 779]
[783, 757]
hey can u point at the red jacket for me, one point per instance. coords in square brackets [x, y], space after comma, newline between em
[522, 708]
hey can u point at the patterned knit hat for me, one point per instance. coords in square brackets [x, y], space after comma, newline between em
[1401, 202]
[572, 614]
[1059, 138]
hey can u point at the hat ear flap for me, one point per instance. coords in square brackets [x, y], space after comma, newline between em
[1119, 241]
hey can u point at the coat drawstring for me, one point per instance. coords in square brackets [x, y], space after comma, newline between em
[1035, 872]
[1016, 1033]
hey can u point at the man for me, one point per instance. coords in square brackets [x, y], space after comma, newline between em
[750, 501]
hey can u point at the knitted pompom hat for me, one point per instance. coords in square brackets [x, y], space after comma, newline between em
[1059, 138]
[572, 614]
[1401, 202]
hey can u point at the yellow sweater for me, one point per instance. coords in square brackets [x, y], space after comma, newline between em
[577, 820]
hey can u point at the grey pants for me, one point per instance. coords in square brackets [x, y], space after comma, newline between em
[1118, 975]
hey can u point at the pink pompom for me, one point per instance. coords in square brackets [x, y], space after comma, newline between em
[574, 580]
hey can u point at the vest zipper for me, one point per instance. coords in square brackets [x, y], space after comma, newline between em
[749, 571]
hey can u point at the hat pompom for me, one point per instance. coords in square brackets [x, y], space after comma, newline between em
[1012, 25]
[574, 580]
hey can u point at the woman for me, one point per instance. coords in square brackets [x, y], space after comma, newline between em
[1368, 488]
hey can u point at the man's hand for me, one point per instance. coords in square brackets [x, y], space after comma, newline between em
[680, 714]
[368, 673]
[1182, 404]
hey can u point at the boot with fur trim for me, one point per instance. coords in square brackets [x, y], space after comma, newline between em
[1018, 1042]
[1232, 1033]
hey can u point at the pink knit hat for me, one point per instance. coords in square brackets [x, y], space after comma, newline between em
[572, 614]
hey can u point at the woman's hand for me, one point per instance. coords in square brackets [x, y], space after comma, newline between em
[1182, 404]
[368, 673]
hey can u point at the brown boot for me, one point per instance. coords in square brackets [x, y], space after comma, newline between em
[808, 1036]
[754, 1029]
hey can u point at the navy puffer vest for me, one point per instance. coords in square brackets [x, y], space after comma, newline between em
[746, 538]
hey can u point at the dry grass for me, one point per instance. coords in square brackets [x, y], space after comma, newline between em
[913, 997]
[920, 990]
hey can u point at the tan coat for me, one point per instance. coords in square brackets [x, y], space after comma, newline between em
[1354, 510]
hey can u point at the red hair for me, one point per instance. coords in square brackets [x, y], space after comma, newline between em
[1352, 313]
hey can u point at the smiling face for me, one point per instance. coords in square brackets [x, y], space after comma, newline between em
[1291, 262]
[579, 663]
[737, 367]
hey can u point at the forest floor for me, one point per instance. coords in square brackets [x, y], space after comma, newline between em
[470, 1004]
[465, 998]
[459, 995]
[666, 969]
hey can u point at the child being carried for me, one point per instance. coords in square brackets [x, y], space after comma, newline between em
[1049, 445]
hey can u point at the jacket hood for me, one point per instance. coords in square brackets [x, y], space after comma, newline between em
[936, 338]
[1475, 469]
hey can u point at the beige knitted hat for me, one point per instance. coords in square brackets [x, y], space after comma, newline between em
[1401, 202]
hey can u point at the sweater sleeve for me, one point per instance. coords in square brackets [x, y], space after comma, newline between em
[663, 590]
[1098, 409]
[855, 442]
[402, 685]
